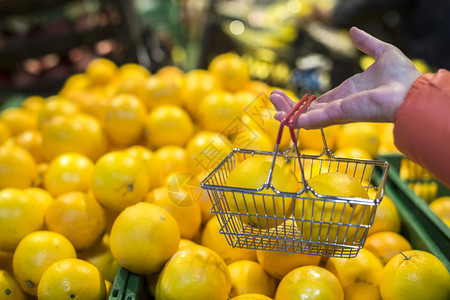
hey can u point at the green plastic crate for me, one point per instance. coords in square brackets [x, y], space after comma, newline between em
[420, 225]
[128, 286]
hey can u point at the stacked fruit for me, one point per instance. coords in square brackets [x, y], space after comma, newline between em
[108, 172]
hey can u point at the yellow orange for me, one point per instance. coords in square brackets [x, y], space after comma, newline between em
[249, 277]
[68, 172]
[101, 71]
[143, 237]
[168, 124]
[387, 217]
[415, 274]
[252, 173]
[194, 272]
[55, 106]
[17, 167]
[314, 210]
[72, 278]
[231, 70]
[149, 159]
[78, 217]
[80, 133]
[360, 135]
[386, 244]
[5, 133]
[161, 89]
[20, 215]
[18, 119]
[441, 207]
[278, 264]
[35, 253]
[9, 287]
[31, 140]
[171, 159]
[42, 196]
[218, 111]
[123, 119]
[198, 84]
[309, 282]
[119, 180]
[214, 240]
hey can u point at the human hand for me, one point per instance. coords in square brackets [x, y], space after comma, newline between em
[374, 95]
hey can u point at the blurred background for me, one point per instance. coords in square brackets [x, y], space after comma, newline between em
[295, 44]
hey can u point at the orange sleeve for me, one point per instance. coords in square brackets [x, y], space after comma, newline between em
[422, 124]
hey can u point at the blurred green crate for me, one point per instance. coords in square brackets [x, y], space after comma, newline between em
[128, 286]
[421, 226]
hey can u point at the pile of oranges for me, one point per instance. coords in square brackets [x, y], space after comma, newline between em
[107, 173]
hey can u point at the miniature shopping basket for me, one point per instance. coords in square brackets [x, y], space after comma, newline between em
[304, 222]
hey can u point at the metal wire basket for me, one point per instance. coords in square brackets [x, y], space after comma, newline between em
[304, 222]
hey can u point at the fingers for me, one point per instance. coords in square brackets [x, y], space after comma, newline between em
[281, 101]
[368, 43]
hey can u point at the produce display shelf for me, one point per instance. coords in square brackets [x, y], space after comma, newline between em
[420, 225]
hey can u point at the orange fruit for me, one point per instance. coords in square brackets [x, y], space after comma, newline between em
[251, 296]
[362, 290]
[198, 84]
[42, 196]
[415, 274]
[17, 167]
[168, 125]
[257, 87]
[310, 212]
[75, 82]
[35, 253]
[55, 106]
[119, 180]
[68, 172]
[386, 244]
[100, 256]
[31, 140]
[361, 171]
[89, 102]
[231, 70]
[359, 135]
[312, 139]
[149, 160]
[214, 240]
[143, 237]
[249, 277]
[194, 272]
[5, 133]
[123, 119]
[182, 205]
[171, 159]
[172, 71]
[101, 71]
[252, 173]
[131, 78]
[21, 215]
[161, 89]
[205, 150]
[278, 264]
[387, 217]
[33, 103]
[309, 282]
[80, 133]
[72, 278]
[252, 138]
[441, 207]
[78, 217]
[218, 111]
[9, 287]
[18, 119]
[365, 267]
[186, 243]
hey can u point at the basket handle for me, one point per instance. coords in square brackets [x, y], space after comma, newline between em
[289, 119]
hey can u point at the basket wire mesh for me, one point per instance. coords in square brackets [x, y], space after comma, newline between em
[304, 222]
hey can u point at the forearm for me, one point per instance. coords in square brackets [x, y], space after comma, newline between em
[422, 124]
